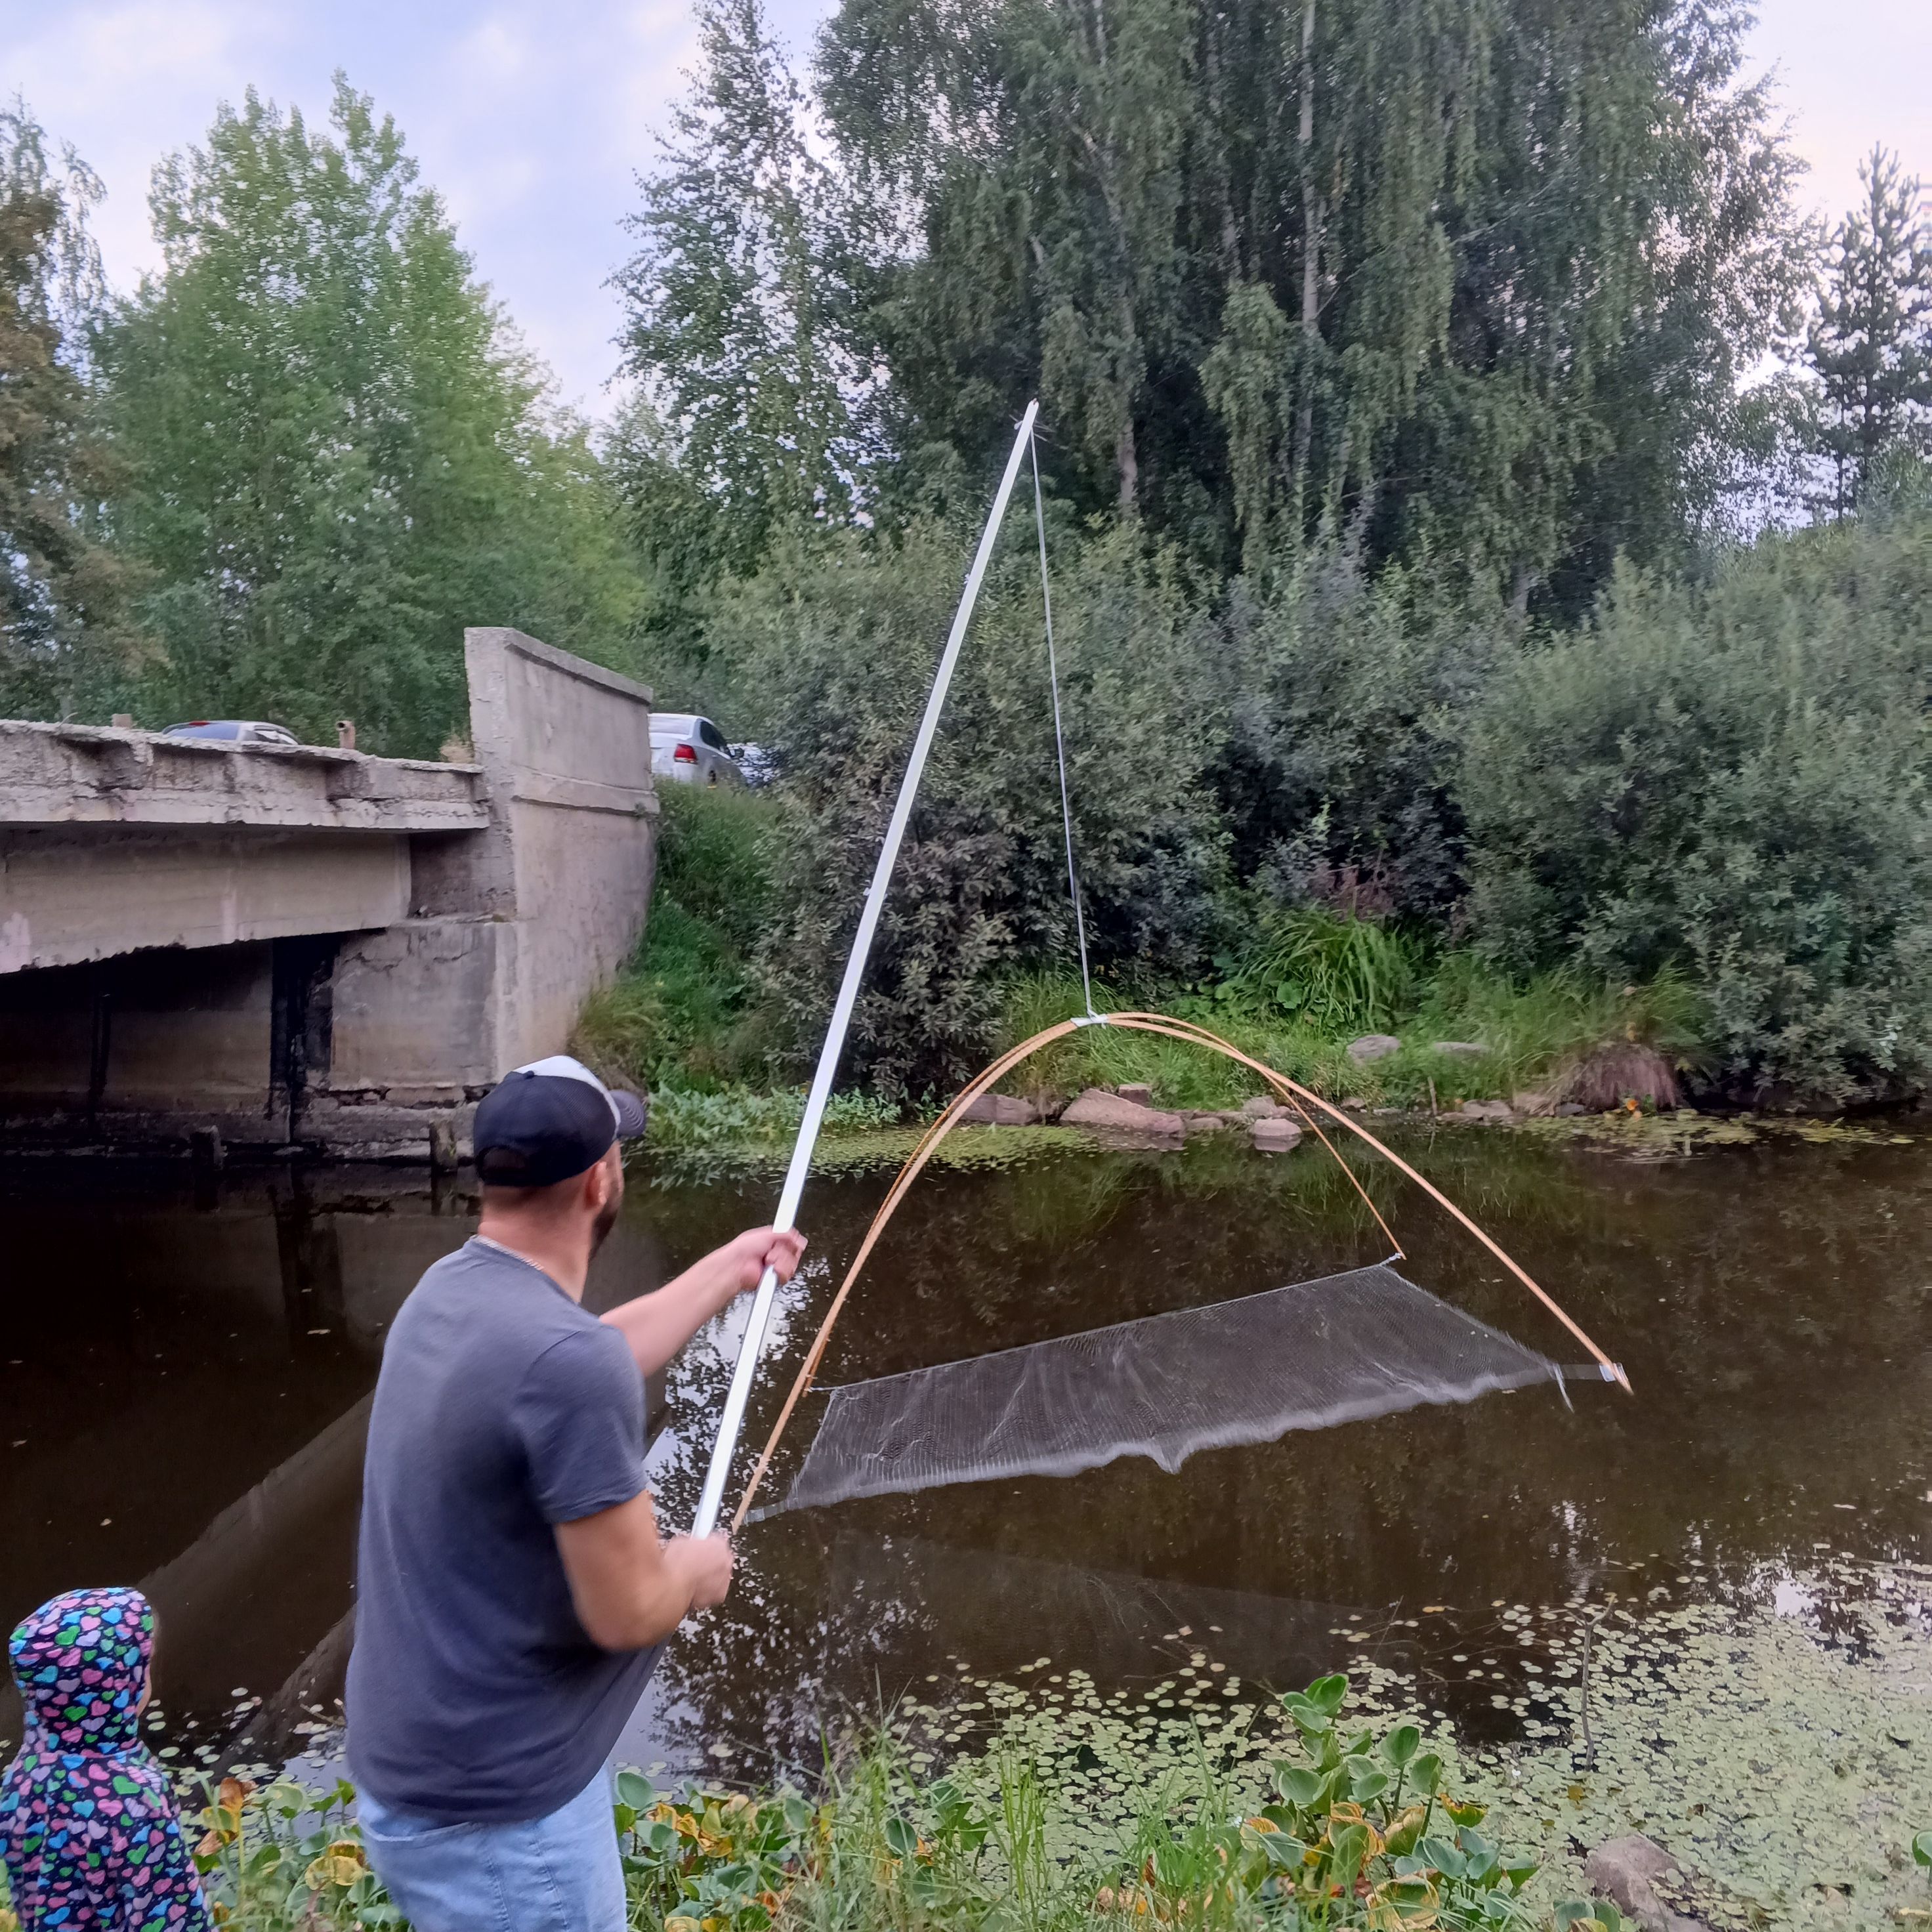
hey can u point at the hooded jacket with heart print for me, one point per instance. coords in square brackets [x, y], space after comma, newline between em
[88, 1826]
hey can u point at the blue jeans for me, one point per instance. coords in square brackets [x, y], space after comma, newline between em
[557, 1873]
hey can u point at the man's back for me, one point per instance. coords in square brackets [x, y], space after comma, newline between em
[502, 1409]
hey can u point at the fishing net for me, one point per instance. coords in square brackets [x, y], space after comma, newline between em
[1346, 1347]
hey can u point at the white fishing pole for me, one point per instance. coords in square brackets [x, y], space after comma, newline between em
[750, 1348]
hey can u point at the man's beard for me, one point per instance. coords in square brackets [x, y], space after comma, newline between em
[606, 1219]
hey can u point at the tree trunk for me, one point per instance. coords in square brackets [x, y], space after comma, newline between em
[1127, 460]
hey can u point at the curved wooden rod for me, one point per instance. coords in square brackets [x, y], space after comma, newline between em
[1186, 1031]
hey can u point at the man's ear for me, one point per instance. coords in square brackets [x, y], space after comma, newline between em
[600, 1180]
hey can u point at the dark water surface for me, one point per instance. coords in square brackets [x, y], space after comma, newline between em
[183, 1384]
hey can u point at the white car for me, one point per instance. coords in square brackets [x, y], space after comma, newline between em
[689, 750]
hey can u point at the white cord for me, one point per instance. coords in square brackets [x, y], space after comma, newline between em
[1059, 739]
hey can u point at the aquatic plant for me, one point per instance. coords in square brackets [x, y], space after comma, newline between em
[279, 1856]
[682, 1119]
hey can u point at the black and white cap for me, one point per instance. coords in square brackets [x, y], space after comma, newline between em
[548, 1121]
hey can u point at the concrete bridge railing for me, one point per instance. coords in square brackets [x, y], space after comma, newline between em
[310, 945]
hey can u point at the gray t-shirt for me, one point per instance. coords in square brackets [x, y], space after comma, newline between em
[502, 1409]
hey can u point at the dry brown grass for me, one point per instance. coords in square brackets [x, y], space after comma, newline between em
[1607, 1076]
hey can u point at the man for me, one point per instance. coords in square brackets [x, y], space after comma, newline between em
[512, 1588]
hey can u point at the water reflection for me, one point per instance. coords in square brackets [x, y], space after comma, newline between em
[184, 1388]
[186, 1381]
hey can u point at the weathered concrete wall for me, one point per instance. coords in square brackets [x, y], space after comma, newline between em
[566, 746]
[130, 1048]
[91, 774]
[513, 928]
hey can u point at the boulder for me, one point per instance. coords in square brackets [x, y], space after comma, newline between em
[1528, 1102]
[1112, 1114]
[1638, 1877]
[1206, 1123]
[1356, 1104]
[1260, 1108]
[1001, 1110]
[1141, 1095]
[1568, 1111]
[1486, 1110]
[1274, 1136]
[1461, 1049]
[1372, 1047]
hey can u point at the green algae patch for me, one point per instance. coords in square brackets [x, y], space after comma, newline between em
[1657, 1136]
[869, 1150]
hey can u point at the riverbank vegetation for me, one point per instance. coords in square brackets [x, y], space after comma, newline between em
[1353, 1825]
[1461, 635]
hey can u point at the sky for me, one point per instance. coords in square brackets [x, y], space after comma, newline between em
[532, 119]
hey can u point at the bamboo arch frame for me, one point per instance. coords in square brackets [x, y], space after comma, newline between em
[1298, 1096]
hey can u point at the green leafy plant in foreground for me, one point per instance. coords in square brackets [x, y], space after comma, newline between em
[1362, 1833]
[283, 1856]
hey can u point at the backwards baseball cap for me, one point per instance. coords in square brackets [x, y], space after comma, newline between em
[549, 1120]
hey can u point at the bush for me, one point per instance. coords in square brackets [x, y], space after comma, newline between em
[1730, 779]
[1343, 704]
[832, 656]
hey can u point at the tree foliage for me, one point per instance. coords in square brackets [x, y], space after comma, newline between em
[1871, 340]
[745, 426]
[1477, 276]
[66, 624]
[831, 655]
[340, 455]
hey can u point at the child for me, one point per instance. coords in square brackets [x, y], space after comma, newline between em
[87, 1828]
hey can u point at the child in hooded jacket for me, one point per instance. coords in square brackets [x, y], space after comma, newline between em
[88, 1827]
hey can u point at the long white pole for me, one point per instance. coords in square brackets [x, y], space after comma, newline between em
[829, 1055]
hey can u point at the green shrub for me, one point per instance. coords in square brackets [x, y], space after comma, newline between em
[1341, 706]
[1730, 779]
[833, 657]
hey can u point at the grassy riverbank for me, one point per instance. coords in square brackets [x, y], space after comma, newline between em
[694, 1019]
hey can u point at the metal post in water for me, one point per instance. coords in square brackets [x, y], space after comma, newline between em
[750, 1348]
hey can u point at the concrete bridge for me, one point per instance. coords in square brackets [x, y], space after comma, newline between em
[310, 946]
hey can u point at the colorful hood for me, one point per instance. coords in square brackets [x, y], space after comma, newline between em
[81, 1661]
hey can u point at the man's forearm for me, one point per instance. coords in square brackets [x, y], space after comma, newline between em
[663, 1602]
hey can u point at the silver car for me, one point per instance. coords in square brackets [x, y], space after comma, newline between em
[232, 731]
[690, 750]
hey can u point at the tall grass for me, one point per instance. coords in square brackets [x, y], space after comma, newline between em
[1330, 971]
[686, 1012]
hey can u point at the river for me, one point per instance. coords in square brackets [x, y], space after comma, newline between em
[186, 1377]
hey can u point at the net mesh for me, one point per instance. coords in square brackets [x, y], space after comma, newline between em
[1346, 1347]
